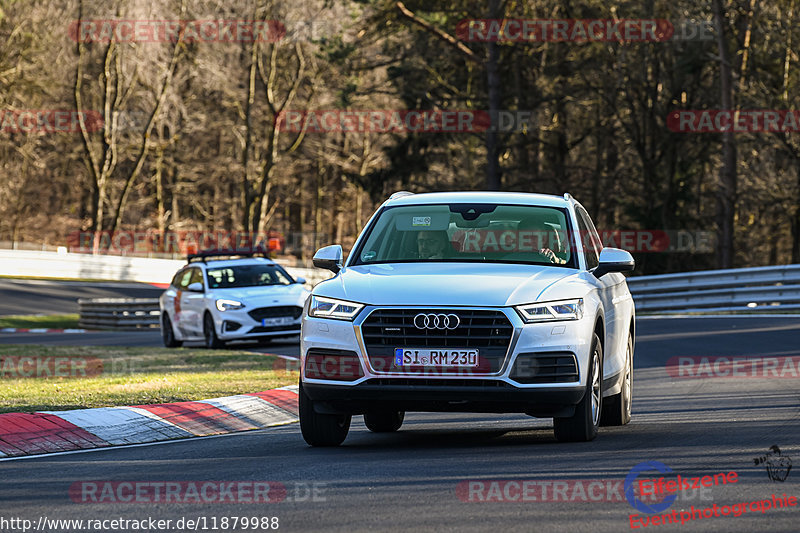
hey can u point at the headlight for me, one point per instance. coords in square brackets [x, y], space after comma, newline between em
[229, 305]
[551, 311]
[329, 308]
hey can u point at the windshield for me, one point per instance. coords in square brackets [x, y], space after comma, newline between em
[468, 233]
[247, 276]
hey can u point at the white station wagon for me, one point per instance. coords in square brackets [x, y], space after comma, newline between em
[217, 300]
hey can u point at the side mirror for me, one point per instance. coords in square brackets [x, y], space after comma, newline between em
[329, 257]
[301, 281]
[195, 287]
[613, 260]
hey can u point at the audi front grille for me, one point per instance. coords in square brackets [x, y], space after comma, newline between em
[488, 331]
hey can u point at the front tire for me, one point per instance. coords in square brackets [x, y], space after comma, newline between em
[583, 425]
[384, 421]
[210, 334]
[168, 334]
[617, 408]
[321, 429]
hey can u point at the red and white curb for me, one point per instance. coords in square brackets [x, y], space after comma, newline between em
[43, 330]
[59, 431]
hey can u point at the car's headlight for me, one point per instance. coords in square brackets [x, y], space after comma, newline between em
[229, 305]
[551, 311]
[330, 308]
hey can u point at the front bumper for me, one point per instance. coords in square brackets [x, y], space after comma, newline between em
[492, 396]
[249, 328]
[494, 391]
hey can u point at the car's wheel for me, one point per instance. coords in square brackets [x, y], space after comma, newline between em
[617, 408]
[210, 334]
[168, 334]
[384, 421]
[582, 426]
[321, 429]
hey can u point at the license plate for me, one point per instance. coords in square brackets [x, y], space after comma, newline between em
[443, 357]
[277, 321]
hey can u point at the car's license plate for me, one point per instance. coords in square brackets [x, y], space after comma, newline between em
[277, 321]
[441, 357]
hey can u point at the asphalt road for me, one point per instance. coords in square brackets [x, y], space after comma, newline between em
[409, 480]
[30, 297]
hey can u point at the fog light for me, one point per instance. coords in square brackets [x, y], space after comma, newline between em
[336, 365]
[549, 367]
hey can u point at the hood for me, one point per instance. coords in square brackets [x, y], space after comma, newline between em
[269, 294]
[468, 284]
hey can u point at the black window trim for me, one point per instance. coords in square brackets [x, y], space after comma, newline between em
[278, 267]
[354, 259]
[581, 213]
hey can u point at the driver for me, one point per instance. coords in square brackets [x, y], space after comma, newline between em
[251, 278]
[432, 244]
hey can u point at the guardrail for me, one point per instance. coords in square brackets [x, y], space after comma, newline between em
[746, 290]
[118, 313]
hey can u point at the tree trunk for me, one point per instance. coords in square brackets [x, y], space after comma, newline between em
[726, 195]
[493, 80]
[158, 178]
[796, 221]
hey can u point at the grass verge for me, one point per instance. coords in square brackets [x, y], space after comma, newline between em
[77, 377]
[39, 321]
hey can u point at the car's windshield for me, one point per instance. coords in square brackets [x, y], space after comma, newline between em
[246, 276]
[469, 233]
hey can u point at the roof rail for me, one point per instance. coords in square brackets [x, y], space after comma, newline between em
[567, 196]
[202, 256]
[400, 194]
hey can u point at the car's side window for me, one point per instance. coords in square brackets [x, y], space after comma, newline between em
[589, 250]
[598, 243]
[185, 276]
[176, 280]
[196, 277]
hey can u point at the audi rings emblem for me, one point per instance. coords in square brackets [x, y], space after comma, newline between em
[436, 321]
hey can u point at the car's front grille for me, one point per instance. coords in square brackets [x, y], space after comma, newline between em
[489, 332]
[272, 312]
[548, 367]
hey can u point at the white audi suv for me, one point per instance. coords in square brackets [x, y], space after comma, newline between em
[472, 302]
